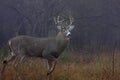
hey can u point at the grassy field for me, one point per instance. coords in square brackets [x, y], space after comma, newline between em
[79, 67]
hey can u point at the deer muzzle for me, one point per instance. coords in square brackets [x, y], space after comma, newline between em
[68, 34]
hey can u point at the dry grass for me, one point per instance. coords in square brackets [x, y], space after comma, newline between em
[98, 67]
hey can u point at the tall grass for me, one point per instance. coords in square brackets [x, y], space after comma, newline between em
[70, 67]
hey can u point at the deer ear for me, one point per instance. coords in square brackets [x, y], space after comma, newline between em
[71, 27]
[59, 27]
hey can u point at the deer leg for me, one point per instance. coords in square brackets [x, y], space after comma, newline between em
[51, 62]
[51, 66]
[17, 65]
[4, 64]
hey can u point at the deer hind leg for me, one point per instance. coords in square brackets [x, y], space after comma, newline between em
[17, 65]
[7, 60]
[4, 64]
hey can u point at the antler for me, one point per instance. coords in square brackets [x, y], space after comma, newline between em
[71, 20]
[64, 23]
[57, 20]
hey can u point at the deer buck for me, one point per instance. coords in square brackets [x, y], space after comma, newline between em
[48, 48]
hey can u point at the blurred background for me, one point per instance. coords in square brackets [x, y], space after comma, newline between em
[93, 52]
[96, 21]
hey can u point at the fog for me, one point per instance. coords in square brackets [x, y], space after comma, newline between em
[96, 21]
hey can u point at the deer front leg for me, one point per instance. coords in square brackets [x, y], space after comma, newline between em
[51, 62]
[51, 66]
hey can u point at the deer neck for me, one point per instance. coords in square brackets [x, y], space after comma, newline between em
[61, 36]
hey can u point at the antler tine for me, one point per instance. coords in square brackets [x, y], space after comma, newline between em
[71, 20]
[55, 20]
[58, 20]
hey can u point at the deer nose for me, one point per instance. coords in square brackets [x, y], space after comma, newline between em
[68, 34]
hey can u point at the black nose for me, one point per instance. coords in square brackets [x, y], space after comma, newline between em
[69, 35]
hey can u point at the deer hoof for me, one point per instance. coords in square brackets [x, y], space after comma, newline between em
[48, 74]
[5, 62]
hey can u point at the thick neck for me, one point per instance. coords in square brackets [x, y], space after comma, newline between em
[61, 35]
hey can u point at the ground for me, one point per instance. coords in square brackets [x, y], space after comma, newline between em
[78, 67]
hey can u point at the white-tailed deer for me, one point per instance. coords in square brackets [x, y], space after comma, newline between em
[48, 48]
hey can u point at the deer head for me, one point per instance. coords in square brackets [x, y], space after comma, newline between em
[64, 25]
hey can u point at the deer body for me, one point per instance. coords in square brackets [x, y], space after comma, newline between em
[48, 48]
[38, 47]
